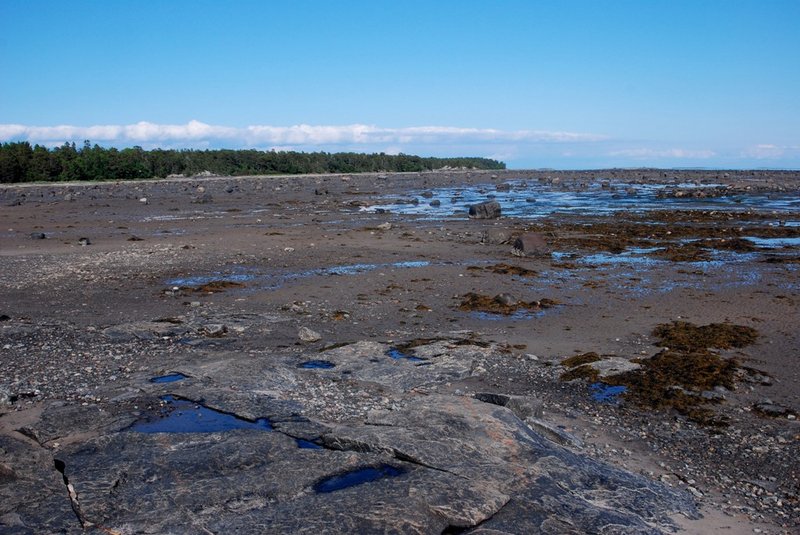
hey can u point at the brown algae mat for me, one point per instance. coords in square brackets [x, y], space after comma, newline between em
[685, 376]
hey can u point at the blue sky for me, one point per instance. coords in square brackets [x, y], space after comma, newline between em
[564, 84]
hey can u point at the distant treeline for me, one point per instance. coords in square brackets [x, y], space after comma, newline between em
[21, 162]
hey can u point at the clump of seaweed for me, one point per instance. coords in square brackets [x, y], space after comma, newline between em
[584, 371]
[500, 304]
[579, 360]
[579, 367]
[677, 380]
[508, 269]
[215, 286]
[685, 336]
[688, 252]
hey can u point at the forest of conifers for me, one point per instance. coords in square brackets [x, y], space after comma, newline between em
[21, 162]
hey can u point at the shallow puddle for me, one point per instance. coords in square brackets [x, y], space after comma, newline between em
[184, 416]
[259, 280]
[396, 354]
[307, 444]
[774, 243]
[606, 393]
[519, 315]
[169, 378]
[317, 365]
[357, 477]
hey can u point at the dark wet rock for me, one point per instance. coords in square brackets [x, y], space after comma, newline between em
[770, 409]
[495, 236]
[503, 187]
[435, 203]
[7, 474]
[35, 500]
[84, 241]
[522, 406]
[553, 432]
[486, 210]
[531, 244]
[5, 317]
[38, 236]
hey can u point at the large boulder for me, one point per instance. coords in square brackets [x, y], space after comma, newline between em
[485, 210]
[531, 244]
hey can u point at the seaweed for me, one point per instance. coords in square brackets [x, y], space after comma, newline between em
[685, 336]
[215, 286]
[508, 269]
[500, 304]
[677, 379]
[583, 371]
[578, 360]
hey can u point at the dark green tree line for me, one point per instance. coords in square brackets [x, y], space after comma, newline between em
[21, 162]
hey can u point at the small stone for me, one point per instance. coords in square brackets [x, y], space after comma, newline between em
[385, 226]
[38, 236]
[214, 330]
[506, 299]
[144, 200]
[84, 242]
[308, 336]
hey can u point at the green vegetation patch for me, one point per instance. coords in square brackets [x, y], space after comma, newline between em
[685, 336]
[21, 162]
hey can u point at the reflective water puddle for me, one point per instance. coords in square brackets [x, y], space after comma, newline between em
[606, 393]
[357, 477]
[184, 416]
[396, 354]
[169, 378]
[317, 365]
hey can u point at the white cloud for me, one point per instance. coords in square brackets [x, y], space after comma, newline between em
[194, 133]
[649, 153]
[768, 151]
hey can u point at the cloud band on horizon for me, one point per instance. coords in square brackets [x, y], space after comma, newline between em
[196, 132]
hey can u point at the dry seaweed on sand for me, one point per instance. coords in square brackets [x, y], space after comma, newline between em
[579, 360]
[505, 269]
[500, 304]
[214, 286]
[685, 336]
[676, 379]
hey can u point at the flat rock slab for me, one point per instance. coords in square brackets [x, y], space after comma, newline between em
[434, 462]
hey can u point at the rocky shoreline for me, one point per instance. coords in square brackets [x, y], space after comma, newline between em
[408, 369]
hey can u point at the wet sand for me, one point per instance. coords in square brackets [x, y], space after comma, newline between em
[337, 254]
